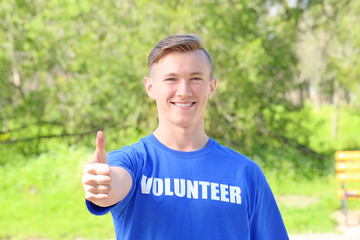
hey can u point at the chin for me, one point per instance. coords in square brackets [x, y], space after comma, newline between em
[185, 123]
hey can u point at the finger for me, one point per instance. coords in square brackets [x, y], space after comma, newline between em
[101, 189]
[100, 147]
[95, 197]
[97, 169]
[95, 180]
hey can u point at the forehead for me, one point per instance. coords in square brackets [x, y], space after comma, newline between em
[182, 62]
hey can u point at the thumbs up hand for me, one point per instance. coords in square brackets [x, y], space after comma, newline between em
[96, 174]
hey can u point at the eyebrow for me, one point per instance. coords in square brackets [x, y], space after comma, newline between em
[191, 74]
[197, 73]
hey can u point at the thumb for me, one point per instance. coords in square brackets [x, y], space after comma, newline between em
[100, 154]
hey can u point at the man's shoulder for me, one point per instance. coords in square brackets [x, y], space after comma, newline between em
[132, 151]
[231, 151]
[234, 155]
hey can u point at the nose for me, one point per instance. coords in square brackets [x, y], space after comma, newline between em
[184, 88]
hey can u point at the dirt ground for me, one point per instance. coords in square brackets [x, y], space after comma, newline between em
[350, 231]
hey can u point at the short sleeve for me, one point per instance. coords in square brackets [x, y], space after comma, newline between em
[97, 210]
[267, 223]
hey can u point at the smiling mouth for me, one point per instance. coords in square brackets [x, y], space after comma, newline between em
[183, 105]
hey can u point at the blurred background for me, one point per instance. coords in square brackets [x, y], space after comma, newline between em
[288, 97]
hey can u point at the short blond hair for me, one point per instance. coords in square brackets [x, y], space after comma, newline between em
[177, 43]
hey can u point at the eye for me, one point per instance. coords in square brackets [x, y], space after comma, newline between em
[170, 79]
[196, 78]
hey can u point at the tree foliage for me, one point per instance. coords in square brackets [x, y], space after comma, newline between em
[69, 68]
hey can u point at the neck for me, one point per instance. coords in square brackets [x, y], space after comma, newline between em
[182, 139]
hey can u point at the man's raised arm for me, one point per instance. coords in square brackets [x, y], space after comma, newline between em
[104, 185]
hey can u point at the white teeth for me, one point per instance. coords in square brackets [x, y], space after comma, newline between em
[183, 104]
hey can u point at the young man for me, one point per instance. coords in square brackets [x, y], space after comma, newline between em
[177, 183]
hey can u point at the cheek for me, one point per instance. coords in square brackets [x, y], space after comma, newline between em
[202, 91]
[162, 94]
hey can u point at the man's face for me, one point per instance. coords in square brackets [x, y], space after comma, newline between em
[181, 85]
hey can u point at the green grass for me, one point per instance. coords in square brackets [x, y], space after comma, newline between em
[43, 198]
[312, 205]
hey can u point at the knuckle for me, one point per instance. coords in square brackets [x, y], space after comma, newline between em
[102, 179]
[105, 189]
[89, 196]
[91, 189]
[104, 168]
[88, 168]
[97, 169]
[85, 169]
[87, 179]
[88, 189]
[84, 179]
[108, 180]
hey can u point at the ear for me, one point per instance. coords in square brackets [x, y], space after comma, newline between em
[148, 82]
[213, 83]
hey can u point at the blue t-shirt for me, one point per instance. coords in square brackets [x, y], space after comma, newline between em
[212, 193]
